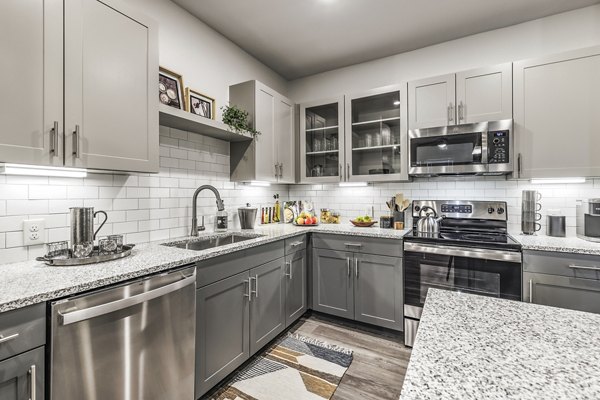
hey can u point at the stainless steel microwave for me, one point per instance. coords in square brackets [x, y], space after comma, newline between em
[483, 148]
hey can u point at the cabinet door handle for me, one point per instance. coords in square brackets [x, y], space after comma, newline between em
[296, 244]
[76, 141]
[356, 267]
[248, 293]
[32, 379]
[572, 266]
[281, 170]
[347, 244]
[450, 112]
[4, 339]
[54, 139]
[289, 264]
[255, 291]
[519, 163]
[461, 109]
[276, 170]
[531, 290]
[348, 171]
[341, 172]
[348, 264]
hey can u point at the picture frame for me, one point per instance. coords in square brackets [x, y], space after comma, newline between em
[199, 104]
[170, 88]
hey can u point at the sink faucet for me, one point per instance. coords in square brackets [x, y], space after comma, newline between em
[220, 207]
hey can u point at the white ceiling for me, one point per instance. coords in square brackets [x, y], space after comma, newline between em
[302, 37]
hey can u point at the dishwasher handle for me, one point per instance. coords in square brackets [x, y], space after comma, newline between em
[113, 306]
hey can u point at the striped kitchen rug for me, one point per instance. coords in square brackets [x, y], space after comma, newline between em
[295, 368]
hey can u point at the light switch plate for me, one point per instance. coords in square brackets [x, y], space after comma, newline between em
[34, 232]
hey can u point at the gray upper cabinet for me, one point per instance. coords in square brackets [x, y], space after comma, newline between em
[376, 135]
[295, 276]
[432, 102]
[111, 76]
[267, 308]
[322, 141]
[333, 282]
[484, 94]
[32, 67]
[270, 156]
[222, 330]
[378, 291]
[22, 376]
[556, 121]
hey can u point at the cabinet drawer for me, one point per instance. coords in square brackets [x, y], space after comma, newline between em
[22, 330]
[215, 269]
[561, 291]
[295, 243]
[368, 245]
[564, 264]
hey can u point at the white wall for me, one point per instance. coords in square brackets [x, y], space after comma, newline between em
[208, 61]
[561, 32]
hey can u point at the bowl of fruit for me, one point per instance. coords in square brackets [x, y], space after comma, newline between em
[306, 219]
[363, 222]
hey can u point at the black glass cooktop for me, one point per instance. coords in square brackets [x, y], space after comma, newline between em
[466, 238]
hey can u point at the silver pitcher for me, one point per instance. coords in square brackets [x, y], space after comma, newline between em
[82, 225]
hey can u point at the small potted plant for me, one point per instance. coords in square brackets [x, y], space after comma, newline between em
[237, 120]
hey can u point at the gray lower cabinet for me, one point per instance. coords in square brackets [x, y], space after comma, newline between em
[222, 330]
[22, 376]
[295, 286]
[363, 287]
[562, 280]
[562, 291]
[333, 284]
[378, 290]
[267, 305]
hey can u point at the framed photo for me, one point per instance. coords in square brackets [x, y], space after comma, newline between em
[170, 88]
[199, 104]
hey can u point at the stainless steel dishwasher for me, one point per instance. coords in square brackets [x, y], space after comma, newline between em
[134, 341]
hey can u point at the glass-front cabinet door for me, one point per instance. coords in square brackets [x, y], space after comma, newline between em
[322, 141]
[376, 136]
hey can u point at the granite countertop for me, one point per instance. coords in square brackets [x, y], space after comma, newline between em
[569, 244]
[31, 282]
[475, 347]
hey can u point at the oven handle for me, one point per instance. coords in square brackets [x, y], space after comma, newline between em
[485, 254]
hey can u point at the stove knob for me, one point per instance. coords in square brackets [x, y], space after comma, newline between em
[491, 210]
[417, 208]
[500, 210]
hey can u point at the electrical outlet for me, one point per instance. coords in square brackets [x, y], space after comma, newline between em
[33, 232]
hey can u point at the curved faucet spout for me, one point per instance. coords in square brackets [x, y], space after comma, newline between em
[220, 206]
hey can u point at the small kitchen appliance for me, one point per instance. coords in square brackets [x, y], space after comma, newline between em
[483, 148]
[471, 252]
[588, 219]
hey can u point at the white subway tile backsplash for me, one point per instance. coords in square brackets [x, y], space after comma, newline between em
[24, 207]
[125, 204]
[10, 191]
[47, 192]
[82, 192]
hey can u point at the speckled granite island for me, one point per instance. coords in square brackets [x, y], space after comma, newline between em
[474, 347]
[31, 282]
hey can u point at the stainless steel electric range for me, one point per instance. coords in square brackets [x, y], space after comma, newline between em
[471, 253]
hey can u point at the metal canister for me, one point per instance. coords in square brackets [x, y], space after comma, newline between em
[247, 216]
[556, 225]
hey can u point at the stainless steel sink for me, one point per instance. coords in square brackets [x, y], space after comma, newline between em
[211, 242]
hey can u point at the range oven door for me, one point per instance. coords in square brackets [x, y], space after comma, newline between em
[438, 151]
[495, 273]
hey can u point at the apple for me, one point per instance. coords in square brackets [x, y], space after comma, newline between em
[315, 220]
[300, 221]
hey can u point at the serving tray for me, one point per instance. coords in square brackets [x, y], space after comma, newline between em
[93, 259]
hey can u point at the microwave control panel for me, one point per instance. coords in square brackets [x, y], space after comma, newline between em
[498, 145]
